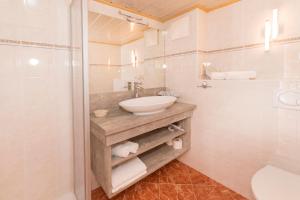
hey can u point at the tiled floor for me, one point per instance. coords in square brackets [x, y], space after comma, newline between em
[175, 181]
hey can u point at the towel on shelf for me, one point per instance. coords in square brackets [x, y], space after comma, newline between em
[120, 150]
[128, 182]
[133, 147]
[126, 173]
[214, 74]
[124, 149]
[241, 75]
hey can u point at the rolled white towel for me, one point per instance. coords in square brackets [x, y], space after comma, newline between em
[133, 147]
[123, 149]
[120, 150]
[127, 171]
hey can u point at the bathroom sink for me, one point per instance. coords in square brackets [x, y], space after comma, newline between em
[148, 105]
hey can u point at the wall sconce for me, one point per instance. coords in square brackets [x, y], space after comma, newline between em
[133, 58]
[132, 26]
[108, 61]
[271, 29]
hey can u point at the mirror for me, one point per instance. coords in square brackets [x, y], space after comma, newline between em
[122, 52]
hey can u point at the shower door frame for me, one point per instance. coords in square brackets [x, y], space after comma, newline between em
[81, 113]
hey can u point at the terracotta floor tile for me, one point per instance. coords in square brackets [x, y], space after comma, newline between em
[236, 196]
[202, 192]
[152, 178]
[147, 191]
[99, 194]
[217, 194]
[175, 167]
[175, 181]
[131, 193]
[167, 192]
[176, 173]
[119, 197]
[186, 192]
[226, 191]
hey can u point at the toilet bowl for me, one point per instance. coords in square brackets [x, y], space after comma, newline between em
[272, 183]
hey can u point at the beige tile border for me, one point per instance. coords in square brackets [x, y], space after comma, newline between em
[23, 43]
[230, 49]
[174, 55]
[255, 45]
[107, 65]
[104, 65]
[236, 48]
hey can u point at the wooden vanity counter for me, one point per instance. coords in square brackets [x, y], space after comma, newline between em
[119, 121]
[149, 131]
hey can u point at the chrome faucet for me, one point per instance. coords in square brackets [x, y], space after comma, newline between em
[137, 88]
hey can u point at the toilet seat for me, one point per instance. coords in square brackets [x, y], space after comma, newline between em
[271, 183]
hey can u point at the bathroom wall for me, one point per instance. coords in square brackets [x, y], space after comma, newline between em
[36, 147]
[243, 25]
[236, 129]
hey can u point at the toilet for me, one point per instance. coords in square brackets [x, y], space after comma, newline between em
[272, 183]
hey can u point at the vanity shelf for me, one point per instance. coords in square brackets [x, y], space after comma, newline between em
[155, 159]
[160, 156]
[148, 141]
[150, 132]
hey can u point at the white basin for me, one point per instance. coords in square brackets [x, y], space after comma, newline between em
[148, 105]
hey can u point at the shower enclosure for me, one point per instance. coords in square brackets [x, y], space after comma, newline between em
[43, 145]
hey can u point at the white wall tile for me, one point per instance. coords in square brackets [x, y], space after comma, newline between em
[36, 103]
[235, 129]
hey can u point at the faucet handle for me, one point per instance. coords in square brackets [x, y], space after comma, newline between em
[138, 83]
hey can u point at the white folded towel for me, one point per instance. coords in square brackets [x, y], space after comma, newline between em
[123, 149]
[128, 182]
[216, 75]
[126, 172]
[240, 75]
[231, 75]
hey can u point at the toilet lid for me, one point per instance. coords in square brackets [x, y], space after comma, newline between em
[271, 183]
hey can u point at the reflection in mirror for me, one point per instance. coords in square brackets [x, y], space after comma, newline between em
[123, 52]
